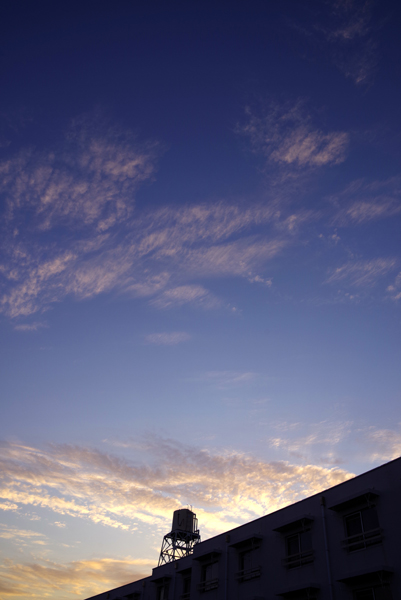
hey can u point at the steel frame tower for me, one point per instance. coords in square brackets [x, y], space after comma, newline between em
[184, 535]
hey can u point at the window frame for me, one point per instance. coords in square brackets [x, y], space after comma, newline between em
[212, 583]
[373, 588]
[250, 571]
[376, 579]
[310, 592]
[186, 578]
[162, 591]
[302, 525]
[365, 537]
[304, 555]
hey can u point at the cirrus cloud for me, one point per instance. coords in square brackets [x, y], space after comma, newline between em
[70, 229]
[285, 135]
[363, 201]
[230, 487]
[395, 288]
[80, 578]
[167, 338]
[363, 272]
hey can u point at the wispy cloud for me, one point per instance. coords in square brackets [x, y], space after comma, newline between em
[12, 533]
[354, 46]
[382, 444]
[364, 201]
[224, 379]
[258, 279]
[356, 17]
[70, 229]
[395, 288]
[347, 27]
[63, 207]
[186, 294]
[80, 578]
[326, 442]
[90, 182]
[142, 263]
[229, 487]
[35, 326]
[286, 135]
[363, 273]
[314, 442]
[167, 339]
[8, 506]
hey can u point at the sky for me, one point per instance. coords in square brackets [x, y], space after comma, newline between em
[200, 271]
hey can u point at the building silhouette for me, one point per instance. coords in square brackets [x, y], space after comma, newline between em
[341, 544]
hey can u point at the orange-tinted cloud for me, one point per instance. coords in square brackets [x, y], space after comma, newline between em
[49, 579]
[228, 488]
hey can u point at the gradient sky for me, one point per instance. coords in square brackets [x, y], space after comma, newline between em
[200, 271]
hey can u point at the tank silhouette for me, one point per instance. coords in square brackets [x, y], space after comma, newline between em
[184, 535]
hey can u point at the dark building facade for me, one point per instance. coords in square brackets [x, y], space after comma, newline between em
[341, 544]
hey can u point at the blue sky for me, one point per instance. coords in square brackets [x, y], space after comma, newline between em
[200, 271]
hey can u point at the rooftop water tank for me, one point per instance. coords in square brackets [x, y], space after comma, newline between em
[184, 520]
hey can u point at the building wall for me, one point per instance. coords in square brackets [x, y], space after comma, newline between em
[341, 544]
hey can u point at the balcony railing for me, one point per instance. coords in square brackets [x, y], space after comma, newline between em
[361, 541]
[246, 574]
[206, 586]
[297, 560]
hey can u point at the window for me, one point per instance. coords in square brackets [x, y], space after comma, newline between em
[371, 585]
[306, 593]
[362, 529]
[381, 592]
[248, 569]
[186, 585]
[162, 592]
[209, 577]
[361, 523]
[299, 549]
[248, 555]
[298, 541]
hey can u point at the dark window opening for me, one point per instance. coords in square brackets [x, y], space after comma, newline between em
[309, 593]
[379, 592]
[162, 592]
[299, 549]
[248, 569]
[209, 577]
[362, 529]
[186, 586]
